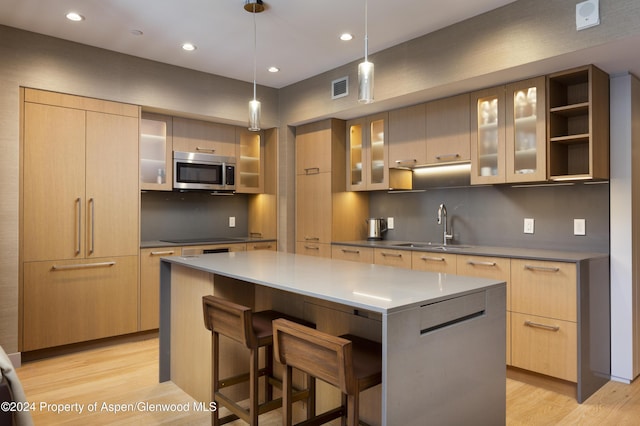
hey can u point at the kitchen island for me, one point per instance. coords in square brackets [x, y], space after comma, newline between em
[442, 335]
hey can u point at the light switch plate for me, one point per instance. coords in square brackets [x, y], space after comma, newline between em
[528, 226]
[390, 223]
[232, 221]
[579, 227]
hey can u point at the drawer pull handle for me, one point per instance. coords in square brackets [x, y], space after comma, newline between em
[312, 238]
[351, 251]
[261, 247]
[543, 326]
[412, 160]
[391, 254]
[443, 156]
[312, 247]
[435, 259]
[161, 253]
[477, 263]
[542, 268]
[199, 148]
[255, 234]
[82, 266]
[309, 170]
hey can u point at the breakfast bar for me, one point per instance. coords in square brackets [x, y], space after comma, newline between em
[442, 335]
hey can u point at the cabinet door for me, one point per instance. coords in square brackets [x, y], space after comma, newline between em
[203, 136]
[74, 301]
[354, 254]
[112, 185]
[378, 156]
[526, 137]
[150, 284]
[156, 152]
[313, 208]
[357, 170]
[498, 268]
[249, 161]
[407, 136]
[448, 138]
[313, 147]
[487, 136]
[54, 182]
[390, 257]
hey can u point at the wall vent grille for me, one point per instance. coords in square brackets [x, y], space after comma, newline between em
[340, 88]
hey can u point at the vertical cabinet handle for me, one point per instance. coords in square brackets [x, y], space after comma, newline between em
[79, 237]
[92, 207]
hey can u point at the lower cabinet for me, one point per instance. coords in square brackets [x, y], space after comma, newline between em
[355, 254]
[391, 257]
[313, 249]
[267, 245]
[433, 262]
[74, 301]
[150, 284]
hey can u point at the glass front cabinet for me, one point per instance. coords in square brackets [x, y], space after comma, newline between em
[250, 158]
[368, 153]
[508, 136]
[156, 151]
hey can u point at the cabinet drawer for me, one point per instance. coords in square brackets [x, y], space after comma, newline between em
[497, 268]
[433, 262]
[544, 345]
[547, 289]
[313, 249]
[389, 257]
[355, 254]
[266, 245]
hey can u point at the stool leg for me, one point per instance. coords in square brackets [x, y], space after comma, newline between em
[268, 361]
[353, 408]
[215, 376]
[311, 402]
[287, 385]
[345, 406]
[254, 384]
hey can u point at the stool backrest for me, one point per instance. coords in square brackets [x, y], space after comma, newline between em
[229, 319]
[319, 354]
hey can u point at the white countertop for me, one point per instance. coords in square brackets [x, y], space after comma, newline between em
[376, 288]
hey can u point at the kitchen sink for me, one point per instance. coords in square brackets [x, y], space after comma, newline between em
[432, 246]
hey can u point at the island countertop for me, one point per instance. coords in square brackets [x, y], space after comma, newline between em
[377, 288]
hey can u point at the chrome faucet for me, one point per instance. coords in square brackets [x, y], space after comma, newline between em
[442, 220]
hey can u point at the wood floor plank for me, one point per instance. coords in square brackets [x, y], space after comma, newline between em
[125, 376]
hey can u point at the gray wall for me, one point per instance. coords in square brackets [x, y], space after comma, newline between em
[494, 215]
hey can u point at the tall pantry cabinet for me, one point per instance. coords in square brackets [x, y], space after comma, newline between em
[79, 219]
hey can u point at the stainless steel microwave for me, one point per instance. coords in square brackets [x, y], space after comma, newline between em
[194, 170]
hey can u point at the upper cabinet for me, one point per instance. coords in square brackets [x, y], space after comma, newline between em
[408, 136]
[508, 133]
[448, 130]
[250, 160]
[526, 152]
[368, 153]
[156, 146]
[578, 129]
[204, 136]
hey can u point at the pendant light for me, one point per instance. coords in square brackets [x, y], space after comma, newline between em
[254, 6]
[365, 69]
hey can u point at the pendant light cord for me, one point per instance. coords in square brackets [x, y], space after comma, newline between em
[255, 50]
[366, 31]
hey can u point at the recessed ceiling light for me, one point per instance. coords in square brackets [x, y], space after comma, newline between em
[189, 47]
[346, 37]
[274, 69]
[74, 16]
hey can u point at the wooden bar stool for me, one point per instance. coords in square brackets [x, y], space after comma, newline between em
[253, 330]
[350, 363]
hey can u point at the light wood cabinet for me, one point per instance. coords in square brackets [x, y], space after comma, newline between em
[249, 161]
[150, 284]
[544, 311]
[156, 152]
[578, 131]
[433, 262]
[263, 208]
[508, 133]
[325, 212]
[262, 245]
[80, 204]
[392, 257]
[448, 137]
[354, 254]
[203, 136]
[408, 136]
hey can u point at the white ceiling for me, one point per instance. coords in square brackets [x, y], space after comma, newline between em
[300, 37]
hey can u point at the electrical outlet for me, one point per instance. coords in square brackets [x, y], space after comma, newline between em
[579, 227]
[232, 221]
[528, 226]
[390, 223]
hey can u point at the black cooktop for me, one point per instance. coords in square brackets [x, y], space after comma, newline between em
[204, 240]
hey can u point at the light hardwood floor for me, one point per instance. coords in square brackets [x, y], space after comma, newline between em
[126, 376]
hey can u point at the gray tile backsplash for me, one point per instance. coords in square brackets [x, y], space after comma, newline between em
[494, 215]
